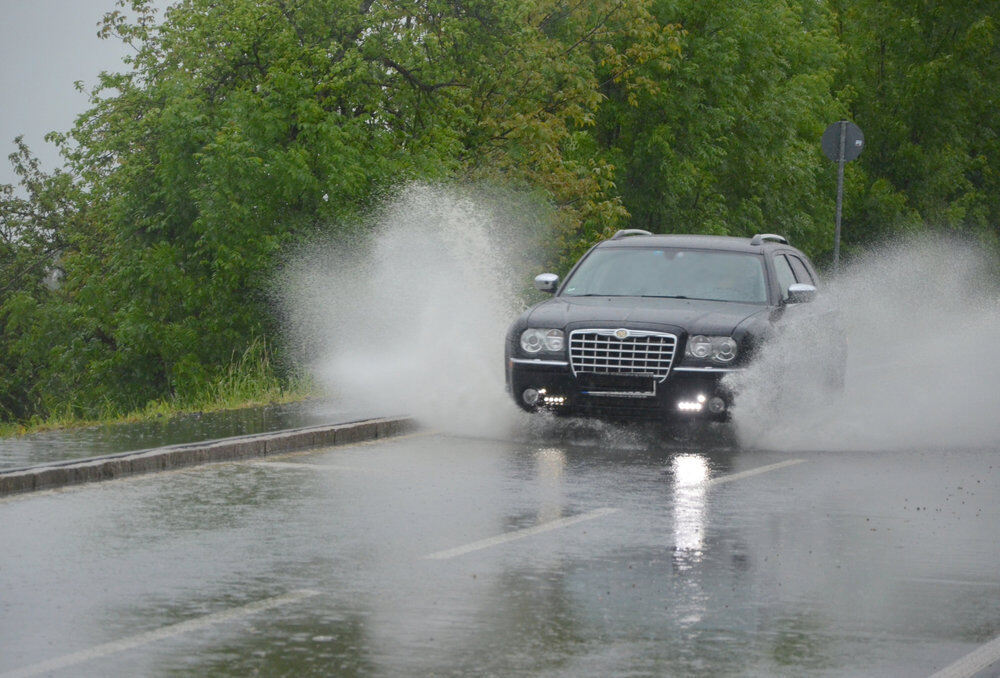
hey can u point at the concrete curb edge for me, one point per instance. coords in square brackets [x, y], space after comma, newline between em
[93, 469]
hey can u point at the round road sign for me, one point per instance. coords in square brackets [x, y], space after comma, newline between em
[854, 141]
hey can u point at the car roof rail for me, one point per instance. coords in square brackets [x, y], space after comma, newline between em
[761, 238]
[629, 231]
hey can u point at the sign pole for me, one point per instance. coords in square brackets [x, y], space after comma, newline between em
[842, 142]
[840, 196]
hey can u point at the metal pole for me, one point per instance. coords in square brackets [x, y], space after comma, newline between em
[840, 196]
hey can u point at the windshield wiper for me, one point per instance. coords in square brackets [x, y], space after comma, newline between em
[665, 296]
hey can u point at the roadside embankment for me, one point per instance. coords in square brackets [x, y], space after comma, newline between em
[61, 474]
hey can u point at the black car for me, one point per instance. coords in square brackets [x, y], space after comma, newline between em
[648, 325]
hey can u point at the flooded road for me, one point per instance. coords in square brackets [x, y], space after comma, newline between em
[433, 554]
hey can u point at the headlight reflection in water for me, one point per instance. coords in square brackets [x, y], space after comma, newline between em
[690, 472]
[550, 467]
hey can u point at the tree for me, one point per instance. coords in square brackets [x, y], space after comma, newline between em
[923, 81]
[727, 143]
[34, 228]
[243, 126]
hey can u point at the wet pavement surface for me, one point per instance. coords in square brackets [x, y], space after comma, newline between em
[66, 444]
[440, 555]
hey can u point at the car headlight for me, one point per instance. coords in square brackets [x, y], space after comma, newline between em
[699, 346]
[534, 340]
[719, 349]
[723, 349]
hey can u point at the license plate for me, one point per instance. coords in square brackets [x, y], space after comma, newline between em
[617, 386]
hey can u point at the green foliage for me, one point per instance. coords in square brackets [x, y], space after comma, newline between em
[33, 227]
[727, 143]
[922, 79]
[241, 128]
[244, 126]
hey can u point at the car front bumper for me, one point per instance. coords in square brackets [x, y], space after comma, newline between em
[686, 393]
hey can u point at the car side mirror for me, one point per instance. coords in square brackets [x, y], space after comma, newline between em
[801, 293]
[547, 282]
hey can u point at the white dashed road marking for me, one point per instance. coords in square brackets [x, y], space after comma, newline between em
[972, 663]
[520, 534]
[752, 472]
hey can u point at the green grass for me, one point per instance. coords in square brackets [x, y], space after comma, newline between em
[249, 381]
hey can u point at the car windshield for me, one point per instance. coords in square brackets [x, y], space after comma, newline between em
[670, 272]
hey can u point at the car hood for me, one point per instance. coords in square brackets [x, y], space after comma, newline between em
[694, 316]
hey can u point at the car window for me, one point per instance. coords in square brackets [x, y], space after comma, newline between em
[784, 273]
[801, 272]
[670, 272]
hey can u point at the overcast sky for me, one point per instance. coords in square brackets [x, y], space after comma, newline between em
[46, 45]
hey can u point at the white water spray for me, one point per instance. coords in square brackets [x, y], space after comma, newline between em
[413, 321]
[922, 320]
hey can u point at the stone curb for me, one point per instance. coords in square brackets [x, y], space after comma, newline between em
[61, 474]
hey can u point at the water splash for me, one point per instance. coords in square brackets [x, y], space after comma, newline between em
[922, 319]
[412, 320]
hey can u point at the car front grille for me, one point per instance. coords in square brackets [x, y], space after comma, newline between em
[638, 353]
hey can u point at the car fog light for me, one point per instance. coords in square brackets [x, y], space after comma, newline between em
[689, 406]
[554, 400]
[530, 396]
[716, 405]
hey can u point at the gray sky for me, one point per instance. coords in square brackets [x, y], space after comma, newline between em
[46, 45]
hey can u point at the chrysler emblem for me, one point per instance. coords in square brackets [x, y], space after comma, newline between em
[622, 333]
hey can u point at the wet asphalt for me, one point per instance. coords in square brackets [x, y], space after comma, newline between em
[80, 443]
[545, 555]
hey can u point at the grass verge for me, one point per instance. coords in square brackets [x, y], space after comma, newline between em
[249, 381]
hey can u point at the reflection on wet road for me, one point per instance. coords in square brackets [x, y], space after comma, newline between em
[453, 556]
